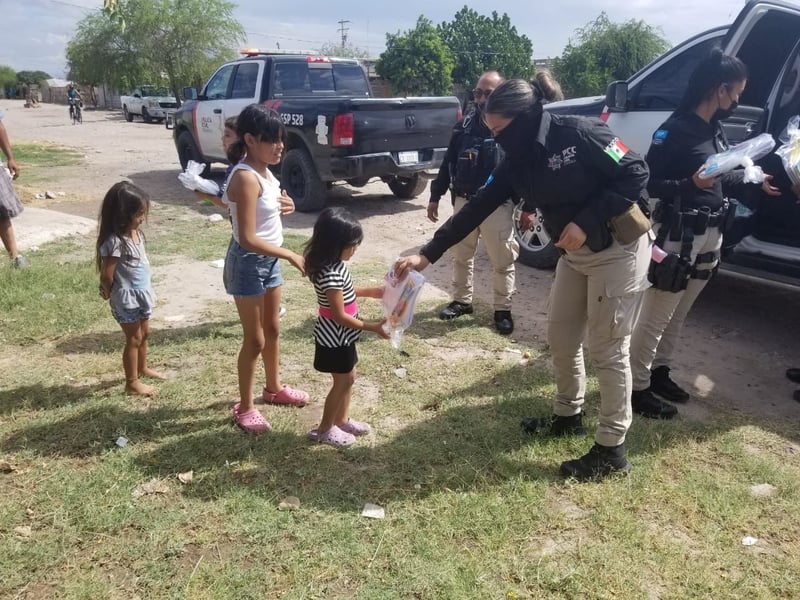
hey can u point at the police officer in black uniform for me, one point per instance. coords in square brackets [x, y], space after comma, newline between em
[689, 222]
[471, 156]
[588, 187]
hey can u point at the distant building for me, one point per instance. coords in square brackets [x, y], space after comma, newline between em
[543, 64]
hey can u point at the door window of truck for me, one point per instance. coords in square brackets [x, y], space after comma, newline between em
[244, 82]
[664, 88]
[765, 50]
[217, 87]
[787, 100]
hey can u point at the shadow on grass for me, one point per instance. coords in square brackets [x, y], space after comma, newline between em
[111, 341]
[41, 397]
[461, 447]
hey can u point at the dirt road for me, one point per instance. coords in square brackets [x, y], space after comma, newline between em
[737, 343]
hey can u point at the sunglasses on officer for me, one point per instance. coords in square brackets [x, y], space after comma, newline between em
[478, 93]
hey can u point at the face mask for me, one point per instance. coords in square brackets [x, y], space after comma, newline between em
[725, 113]
[517, 138]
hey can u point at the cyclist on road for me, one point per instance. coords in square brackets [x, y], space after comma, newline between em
[73, 98]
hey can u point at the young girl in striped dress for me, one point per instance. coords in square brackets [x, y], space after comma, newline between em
[334, 241]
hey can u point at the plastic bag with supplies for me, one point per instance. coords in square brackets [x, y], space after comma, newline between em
[399, 298]
[192, 180]
[790, 149]
[744, 155]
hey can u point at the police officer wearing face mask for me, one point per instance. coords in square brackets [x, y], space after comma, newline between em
[589, 188]
[689, 222]
[471, 157]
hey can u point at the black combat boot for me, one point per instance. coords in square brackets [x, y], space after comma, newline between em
[455, 309]
[555, 425]
[503, 322]
[662, 385]
[646, 404]
[599, 462]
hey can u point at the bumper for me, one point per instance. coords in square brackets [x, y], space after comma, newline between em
[383, 164]
[157, 112]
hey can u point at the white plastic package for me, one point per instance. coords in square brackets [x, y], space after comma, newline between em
[191, 179]
[741, 155]
[790, 150]
[399, 298]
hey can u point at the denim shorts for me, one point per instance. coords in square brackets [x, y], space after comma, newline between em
[249, 274]
[125, 316]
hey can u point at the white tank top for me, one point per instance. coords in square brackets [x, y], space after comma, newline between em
[268, 209]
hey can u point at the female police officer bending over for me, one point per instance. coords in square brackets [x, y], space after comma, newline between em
[587, 185]
[689, 220]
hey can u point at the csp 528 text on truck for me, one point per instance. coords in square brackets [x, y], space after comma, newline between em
[336, 130]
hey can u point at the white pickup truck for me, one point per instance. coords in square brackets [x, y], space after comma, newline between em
[150, 103]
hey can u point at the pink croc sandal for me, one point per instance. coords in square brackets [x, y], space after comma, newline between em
[355, 428]
[251, 421]
[287, 396]
[336, 437]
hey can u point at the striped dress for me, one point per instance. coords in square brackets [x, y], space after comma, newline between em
[328, 332]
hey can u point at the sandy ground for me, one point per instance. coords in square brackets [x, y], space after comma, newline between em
[738, 341]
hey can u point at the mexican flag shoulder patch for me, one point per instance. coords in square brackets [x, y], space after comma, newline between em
[616, 150]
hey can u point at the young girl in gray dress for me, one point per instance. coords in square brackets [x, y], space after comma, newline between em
[125, 278]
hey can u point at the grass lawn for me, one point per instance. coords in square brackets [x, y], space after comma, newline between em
[37, 160]
[474, 509]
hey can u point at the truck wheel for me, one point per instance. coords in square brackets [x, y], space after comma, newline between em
[146, 116]
[187, 150]
[302, 182]
[536, 248]
[128, 116]
[407, 188]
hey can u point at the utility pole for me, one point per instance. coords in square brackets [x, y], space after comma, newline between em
[343, 30]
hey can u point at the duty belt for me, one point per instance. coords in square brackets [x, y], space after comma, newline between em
[698, 220]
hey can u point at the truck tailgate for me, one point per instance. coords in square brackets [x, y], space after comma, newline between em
[397, 124]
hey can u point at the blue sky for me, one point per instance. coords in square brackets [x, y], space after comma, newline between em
[35, 32]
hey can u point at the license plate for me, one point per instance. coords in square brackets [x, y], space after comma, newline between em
[408, 158]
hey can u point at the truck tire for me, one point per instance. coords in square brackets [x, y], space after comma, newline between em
[187, 150]
[146, 116]
[302, 182]
[128, 116]
[407, 188]
[536, 248]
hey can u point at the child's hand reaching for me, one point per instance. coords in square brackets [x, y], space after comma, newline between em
[377, 327]
[287, 204]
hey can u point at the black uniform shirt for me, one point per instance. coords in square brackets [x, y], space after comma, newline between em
[471, 125]
[577, 171]
[678, 149]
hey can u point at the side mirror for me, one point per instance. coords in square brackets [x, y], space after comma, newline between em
[189, 93]
[617, 96]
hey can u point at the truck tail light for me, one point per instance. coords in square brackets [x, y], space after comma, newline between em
[604, 115]
[343, 129]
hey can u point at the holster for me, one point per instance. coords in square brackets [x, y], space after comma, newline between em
[630, 225]
[671, 274]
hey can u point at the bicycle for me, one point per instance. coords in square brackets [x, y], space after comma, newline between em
[75, 112]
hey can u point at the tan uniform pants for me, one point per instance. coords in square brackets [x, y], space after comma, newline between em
[663, 313]
[598, 293]
[497, 231]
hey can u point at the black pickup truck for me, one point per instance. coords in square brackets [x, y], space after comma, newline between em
[336, 130]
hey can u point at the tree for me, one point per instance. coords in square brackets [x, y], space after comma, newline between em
[30, 77]
[417, 62]
[153, 41]
[348, 51]
[481, 43]
[603, 52]
[8, 76]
